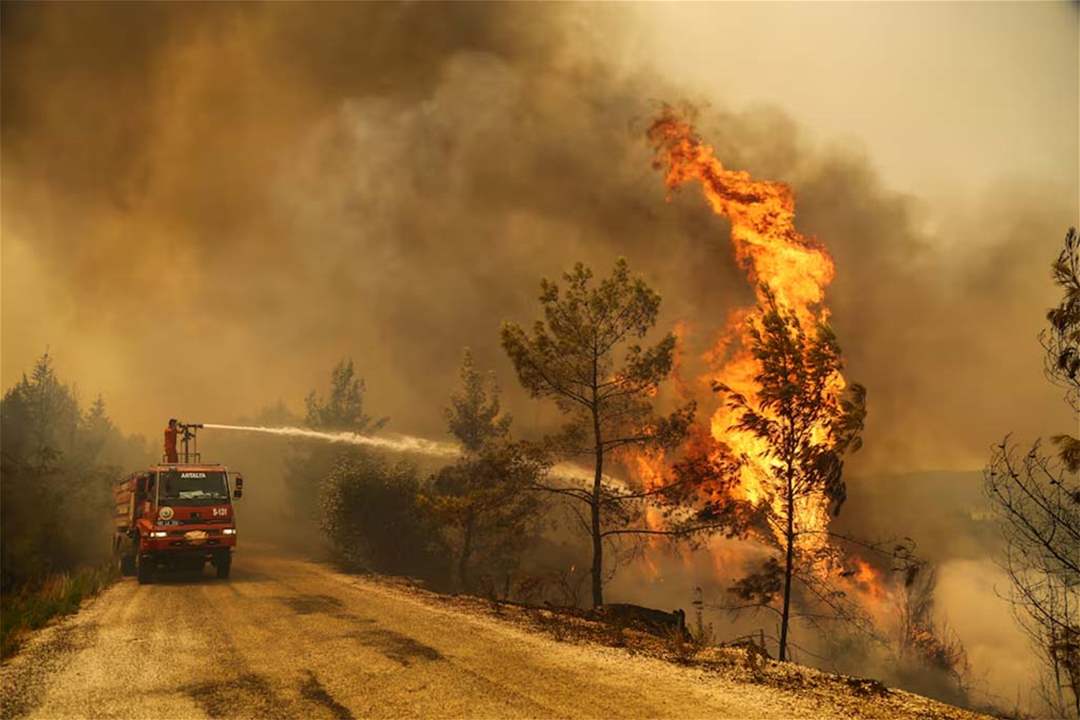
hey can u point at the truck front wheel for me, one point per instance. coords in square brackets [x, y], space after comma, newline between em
[144, 569]
[223, 564]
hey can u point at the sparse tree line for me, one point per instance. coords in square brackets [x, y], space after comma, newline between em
[485, 510]
[57, 462]
[471, 524]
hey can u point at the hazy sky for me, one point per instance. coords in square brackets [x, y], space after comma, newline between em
[205, 206]
[945, 98]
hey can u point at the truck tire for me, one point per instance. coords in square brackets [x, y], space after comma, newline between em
[126, 564]
[144, 570]
[223, 564]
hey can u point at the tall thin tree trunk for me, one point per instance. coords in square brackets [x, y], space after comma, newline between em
[597, 539]
[789, 562]
[598, 445]
[466, 552]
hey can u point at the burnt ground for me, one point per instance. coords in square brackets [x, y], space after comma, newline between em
[286, 638]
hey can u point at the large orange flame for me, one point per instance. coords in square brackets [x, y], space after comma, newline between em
[795, 269]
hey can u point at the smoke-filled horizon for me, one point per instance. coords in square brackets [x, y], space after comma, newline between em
[201, 218]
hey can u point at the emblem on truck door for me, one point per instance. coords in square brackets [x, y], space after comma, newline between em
[165, 513]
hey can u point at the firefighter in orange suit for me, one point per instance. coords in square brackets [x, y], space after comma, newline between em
[170, 442]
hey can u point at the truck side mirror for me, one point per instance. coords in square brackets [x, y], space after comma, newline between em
[238, 490]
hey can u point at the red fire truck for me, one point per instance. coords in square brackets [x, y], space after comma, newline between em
[176, 514]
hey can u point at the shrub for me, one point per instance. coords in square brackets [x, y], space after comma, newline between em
[371, 514]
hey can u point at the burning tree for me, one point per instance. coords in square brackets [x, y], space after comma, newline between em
[571, 357]
[776, 442]
[485, 497]
[804, 426]
[1037, 499]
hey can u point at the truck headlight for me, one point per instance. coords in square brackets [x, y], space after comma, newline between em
[229, 531]
[158, 533]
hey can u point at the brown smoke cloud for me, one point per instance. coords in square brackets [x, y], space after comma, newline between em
[206, 206]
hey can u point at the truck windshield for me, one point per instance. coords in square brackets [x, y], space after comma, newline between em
[192, 486]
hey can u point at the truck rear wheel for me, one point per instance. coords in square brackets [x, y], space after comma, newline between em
[125, 561]
[223, 564]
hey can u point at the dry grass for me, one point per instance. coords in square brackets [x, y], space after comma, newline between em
[56, 595]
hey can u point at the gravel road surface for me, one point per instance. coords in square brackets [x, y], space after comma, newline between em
[285, 638]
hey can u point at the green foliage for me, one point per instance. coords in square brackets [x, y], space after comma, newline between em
[572, 357]
[485, 499]
[309, 462]
[486, 502]
[58, 463]
[343, 409]
[474, 416]
[373, 517]
[56, 595]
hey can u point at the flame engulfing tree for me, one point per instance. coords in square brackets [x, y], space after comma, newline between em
[485, 498]
[805, 426]
[1037, 499]
[570, 356]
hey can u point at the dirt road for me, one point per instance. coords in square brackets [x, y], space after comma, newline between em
[286, 638]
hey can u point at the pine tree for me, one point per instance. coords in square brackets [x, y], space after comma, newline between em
[572, 357]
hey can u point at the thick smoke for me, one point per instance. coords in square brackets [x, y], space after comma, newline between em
[206, 206]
